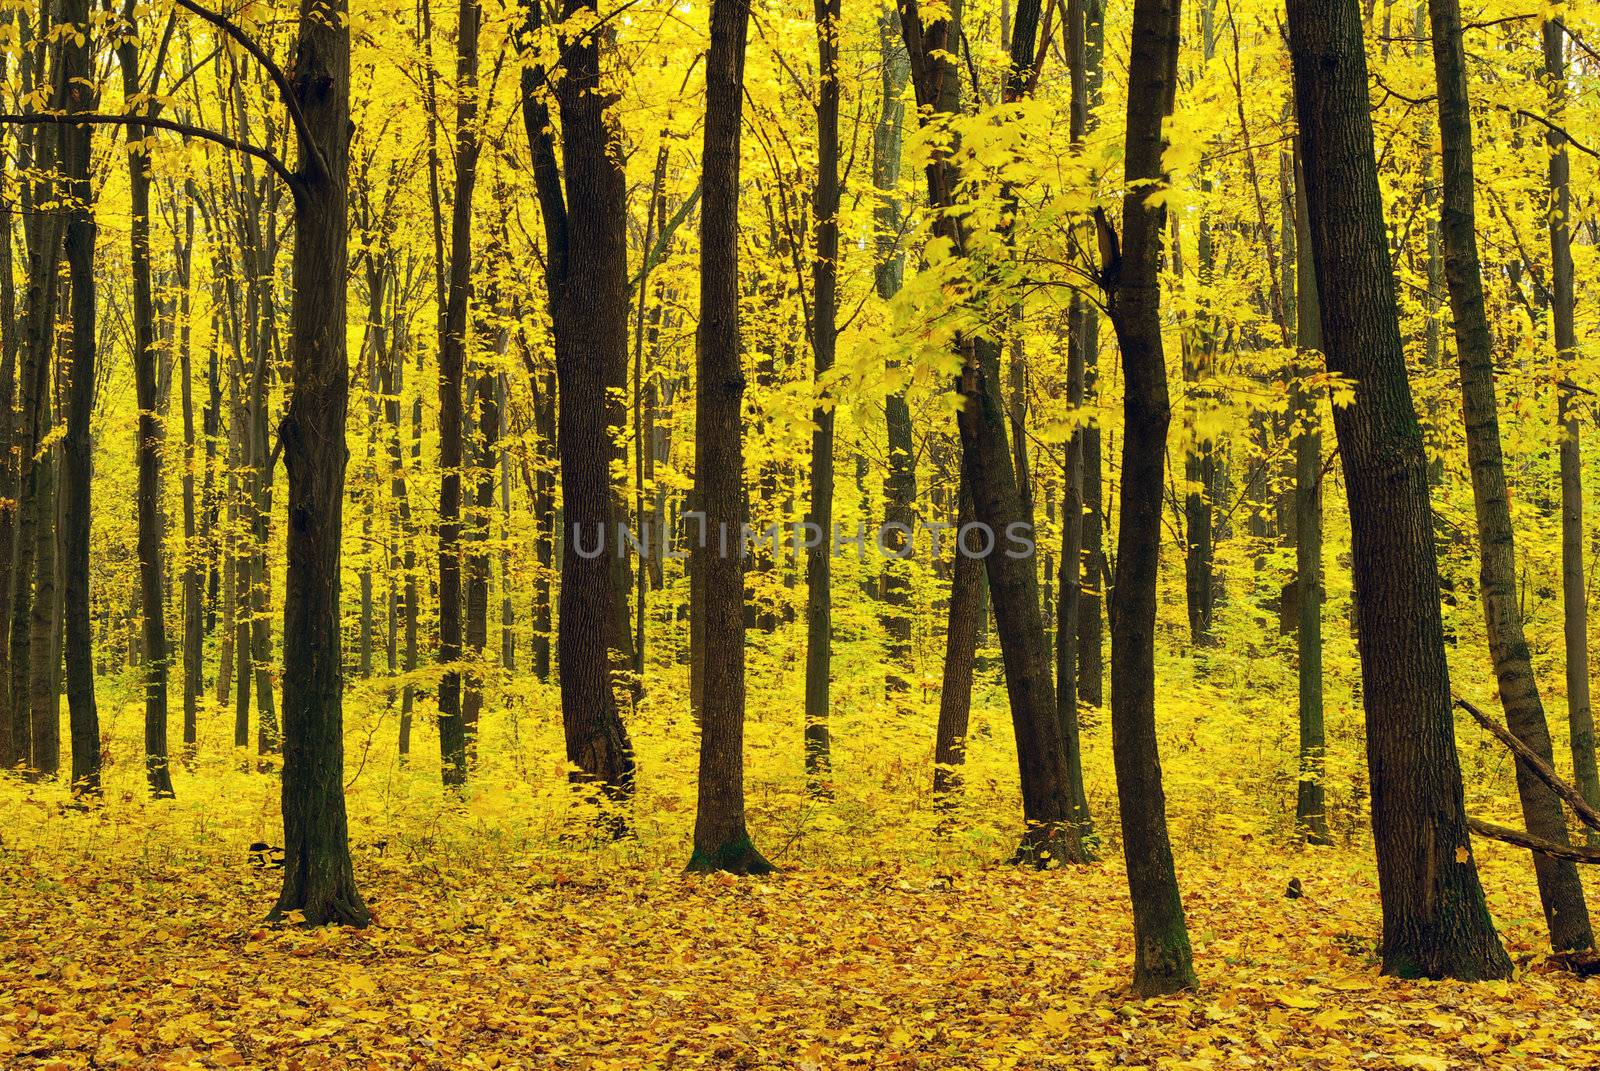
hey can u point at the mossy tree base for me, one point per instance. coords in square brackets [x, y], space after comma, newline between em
[1050, 844]
[738, 856]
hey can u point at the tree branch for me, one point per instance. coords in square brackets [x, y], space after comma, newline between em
[1539, 768]
[1575, 853]
[92, 118]
[274, 72]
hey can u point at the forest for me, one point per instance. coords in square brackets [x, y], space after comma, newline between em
[924, 534]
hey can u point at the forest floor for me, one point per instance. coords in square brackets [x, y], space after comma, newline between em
[119, 950]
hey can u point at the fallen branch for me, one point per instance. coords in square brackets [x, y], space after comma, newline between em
[1576, 853]
[1539, 767]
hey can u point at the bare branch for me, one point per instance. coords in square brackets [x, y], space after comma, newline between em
[1536, 765]
[1573, 852]
[92, 118]
[274, 72]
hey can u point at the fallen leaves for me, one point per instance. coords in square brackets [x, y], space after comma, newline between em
[642, 967]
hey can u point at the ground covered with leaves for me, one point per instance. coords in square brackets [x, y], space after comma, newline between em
[590, 959]
[133, 935]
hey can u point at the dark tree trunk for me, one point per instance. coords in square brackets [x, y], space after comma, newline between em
[824, 340]
[1560, 890]
[147, 449]
[1574, 595]
[987, 465]
[318, 879]
[193, 622]
[721, 841]
[452, 382]
[77, 447]
[1070, 583]
[960, 651]
[1435, 922]
[1092, 595]
[44, 640]
[1310, 810]
[43, 232]
[587, 277]
[1161, 939]
[477, 556]
[8, 426]
[544, 512]
[900, 486]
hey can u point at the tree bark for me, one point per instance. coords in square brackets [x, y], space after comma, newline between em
[824, 340]
[452, 382]
[318, 879]
[1574, 595]
[1560, 890]
[721, 841]
[1092, 594]
[900, 485]
[1080, 324]
[1161, 939]
[1310, 810]
[77, 446]
[1049, 836]
[587, 278]
[1435, 922]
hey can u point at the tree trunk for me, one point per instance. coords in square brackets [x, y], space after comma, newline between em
[900, 486]
[1435, 922]
[452, 381]
[1574, 596]
[587, 277]
[193, 623]
[77, 446]
[1092, 595]
[987, 465]
[148, 447]
[318, 879]
[721, 841]
[1560, 890]
[1070, 583]
[1310, 810]
[44, 640]
[960, 651]
[1161, 939]
[477, 559]
[824, 339]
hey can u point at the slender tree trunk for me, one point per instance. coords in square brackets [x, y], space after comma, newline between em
[998, 501]
[1092, 594]
[148, 447]
[452, 380]
[318, 879]
[43, 232]
[960, 651]
[824, 338]
[1070, 582]
[193, 623]
[1574, 595]
[721, 841]
[1310, 811]
[587, 277]
[508, 613]
[477, 557]
[77, 446]
[1435, 922]
[1560, 890]
[900, 485]
[1161, 939]
[8, 418]
[544, 512]
[44, 640]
